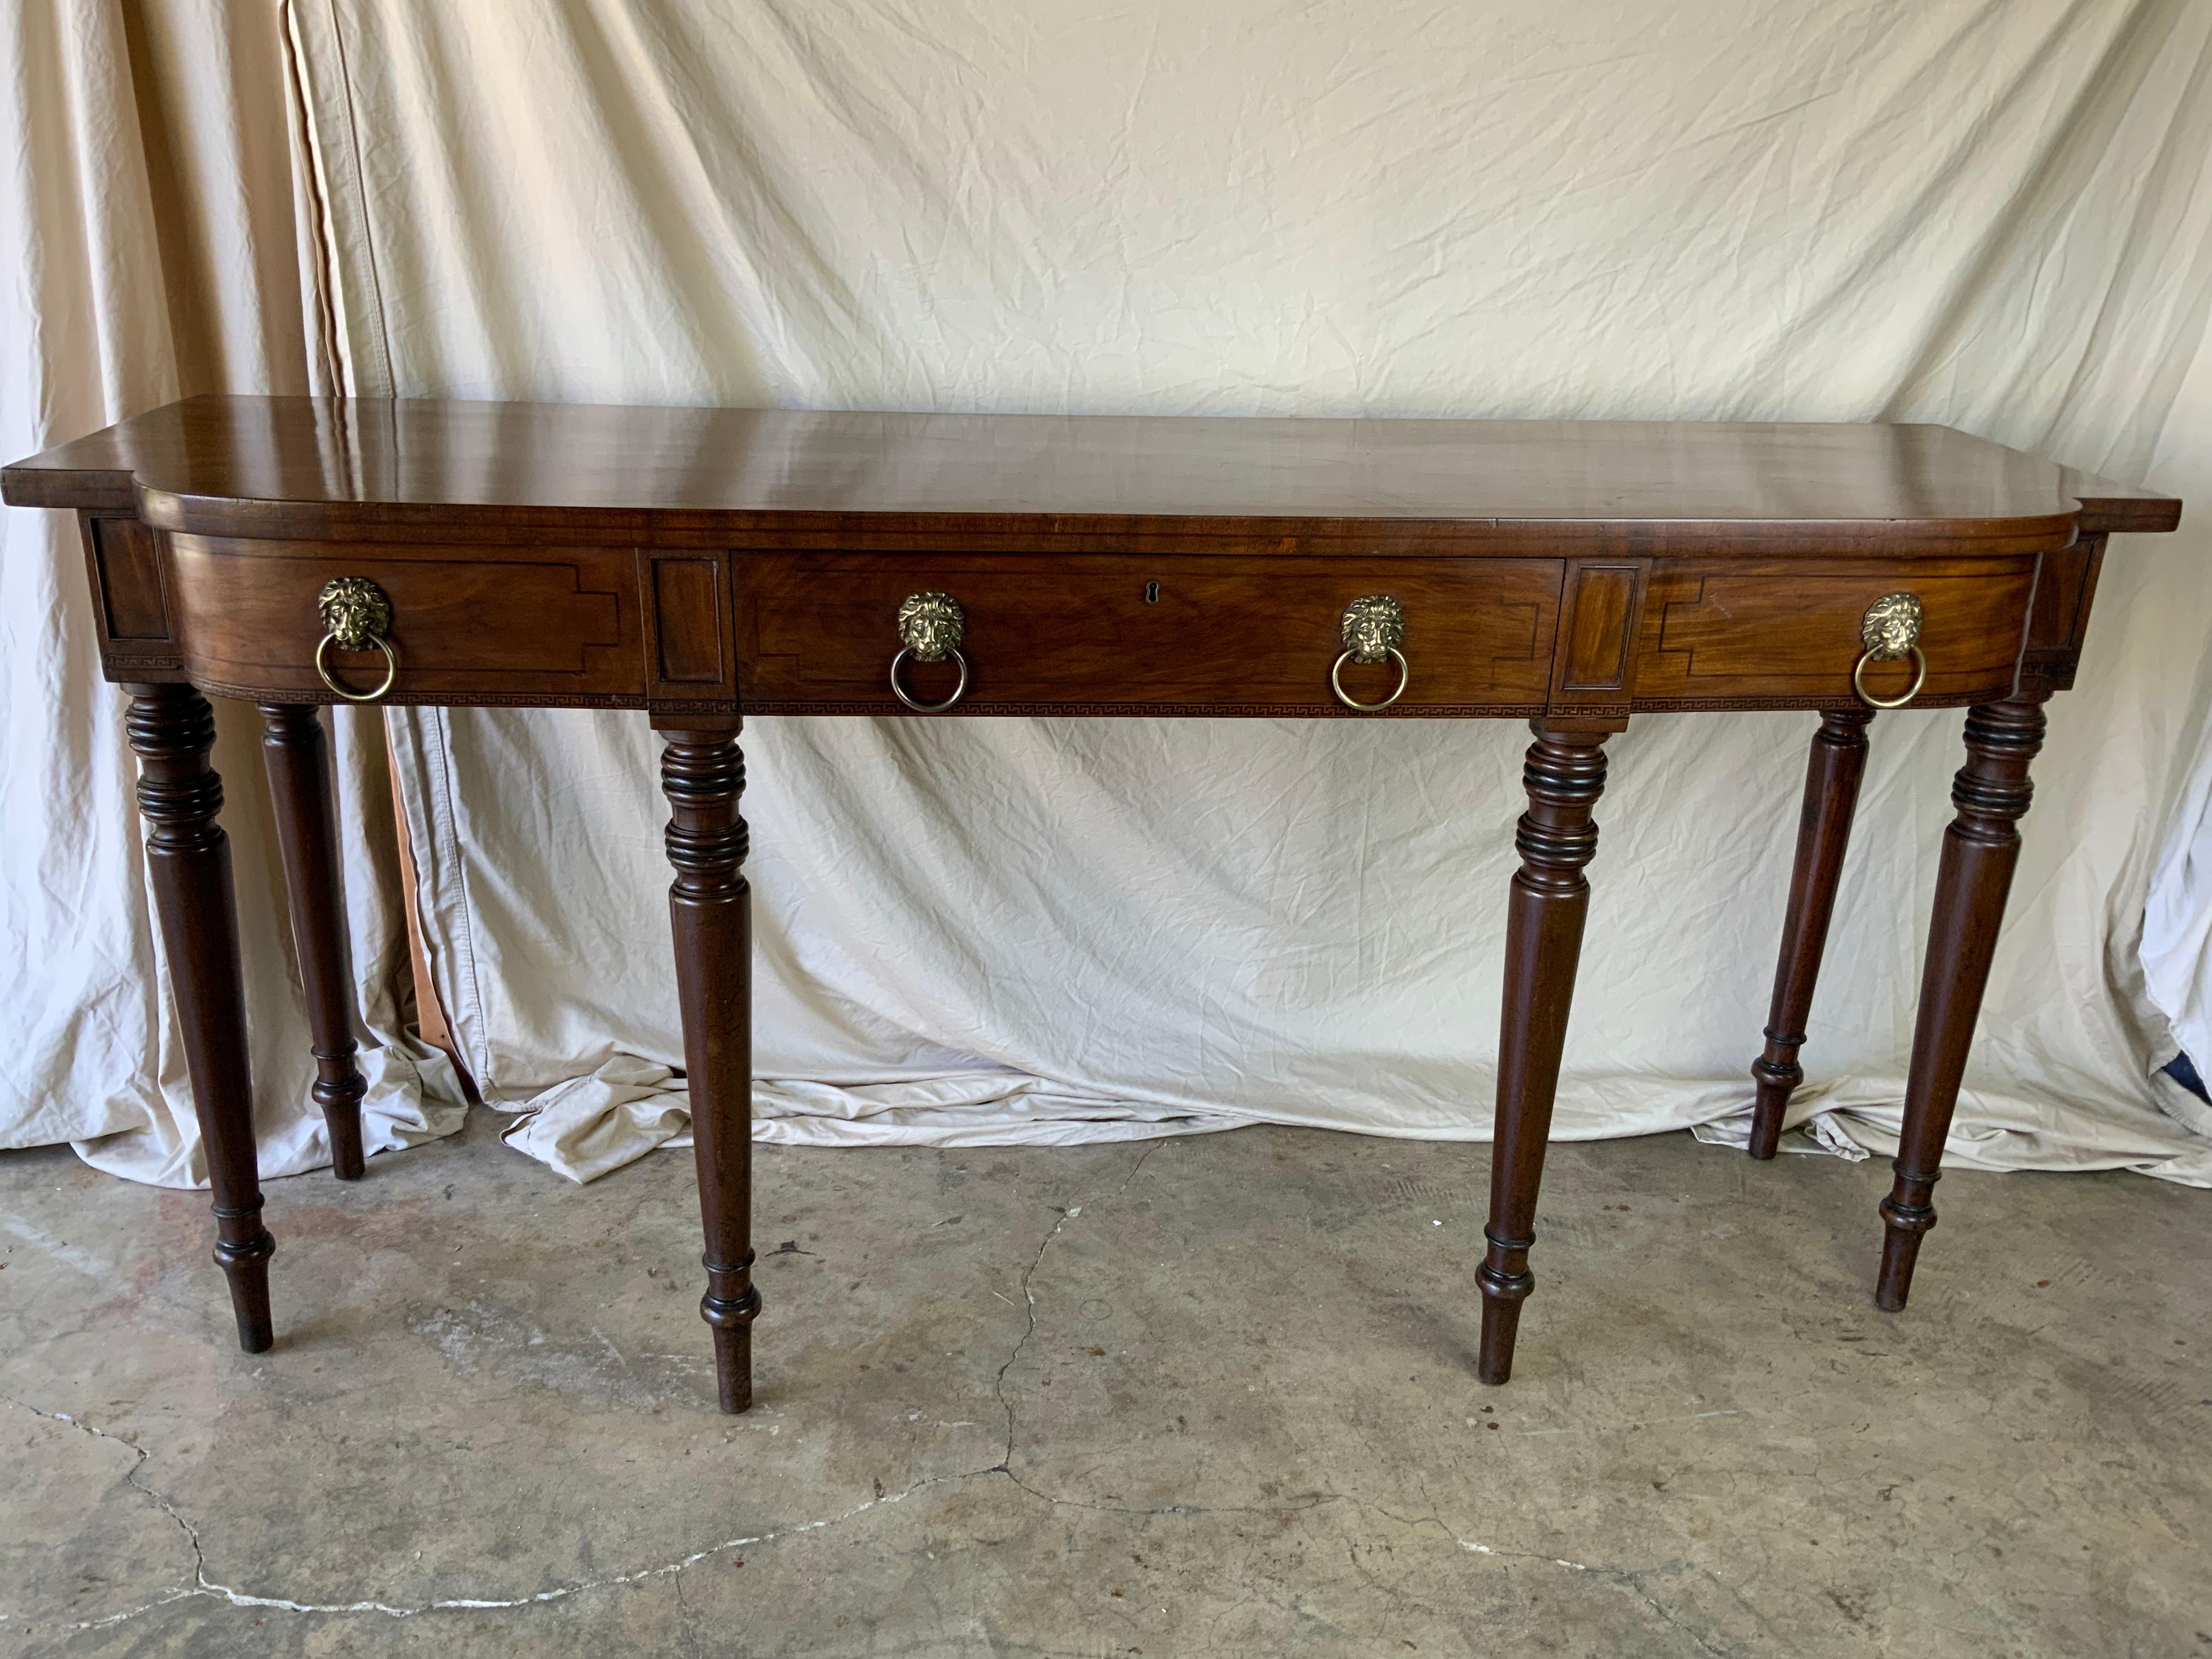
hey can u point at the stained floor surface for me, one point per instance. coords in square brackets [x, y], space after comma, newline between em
[1211, 1396]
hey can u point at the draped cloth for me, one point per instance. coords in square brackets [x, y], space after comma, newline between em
[150, 228]
[973, 931]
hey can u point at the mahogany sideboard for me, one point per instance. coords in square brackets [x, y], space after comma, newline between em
[701, 564]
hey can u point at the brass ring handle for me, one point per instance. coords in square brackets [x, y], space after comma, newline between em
[899, 692]
[1919, 678]
[1374, 627]
[391, 669]
[1336, 682]
[356, 614]
[1890, 631]
[930, 629]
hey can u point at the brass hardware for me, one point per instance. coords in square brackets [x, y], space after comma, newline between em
[391, 670]
[1373, 629]
[1891, 627]
[930, 627]
[1890, 630]
[356, 616]
[1919, 678]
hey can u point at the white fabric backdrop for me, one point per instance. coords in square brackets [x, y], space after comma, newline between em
[2177, 942]
[1992, 216]
[148, 231]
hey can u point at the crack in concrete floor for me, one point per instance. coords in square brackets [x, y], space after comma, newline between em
[1887, 1491]
[204, 1586]
[207, 1587]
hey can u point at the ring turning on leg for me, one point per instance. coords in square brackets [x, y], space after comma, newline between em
[1824, 830]
[296, 756]
[1563, 776]
[188, 858]
[1992, 794]
[703, 775]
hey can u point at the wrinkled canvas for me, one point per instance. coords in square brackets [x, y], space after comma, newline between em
[1992, 217]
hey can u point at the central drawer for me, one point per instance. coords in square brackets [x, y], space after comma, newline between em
[1117, 633]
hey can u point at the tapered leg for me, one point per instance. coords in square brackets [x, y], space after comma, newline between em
[1824, 829]
[709, 906]
[297, 758]
[1565, 775]
[173, 729]
[1992, 794]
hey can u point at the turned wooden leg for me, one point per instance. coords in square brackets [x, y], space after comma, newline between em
[173, 729]
[1565, 775]
[709, 906]
[297, 757]
[1824, 829]
[1991, 793]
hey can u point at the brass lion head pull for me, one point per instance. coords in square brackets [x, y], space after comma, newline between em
[932, 625]
[356, 617]
[1890, 629]
[930, 629]
[1374, 626]
[1374, 630]
[355, 613]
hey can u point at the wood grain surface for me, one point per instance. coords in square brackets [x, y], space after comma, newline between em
[281, 466]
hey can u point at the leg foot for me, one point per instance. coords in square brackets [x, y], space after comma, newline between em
[1823, 828]
[297, 758]
[1505, 1281]
[1563, 776]
[1992, 794]
[1906, 1215]
[188, 858]
[731, 1319]
[733, 1369]
[703, 775]
[242, 1249]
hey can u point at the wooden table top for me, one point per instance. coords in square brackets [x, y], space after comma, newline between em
[364, 460]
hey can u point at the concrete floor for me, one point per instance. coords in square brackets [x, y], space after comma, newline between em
[1201, 1396]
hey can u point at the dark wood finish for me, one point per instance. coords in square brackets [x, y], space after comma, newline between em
[1749, 634]
[128, 571]
[700, 562]
[555, 626]
[1594, 674]
[179, 795]
[2064, 590]
[1563, 776]
[1601, 601]
[686, 601]
[287, 467]
[1076, 634]
[1991, 793]
[710, 914]
[297, 756]
[1832, 772]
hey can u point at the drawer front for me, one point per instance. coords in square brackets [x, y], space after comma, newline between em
[1115, 634]
[1785, 633]
[553, 625]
